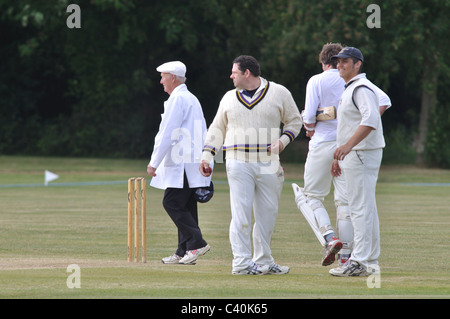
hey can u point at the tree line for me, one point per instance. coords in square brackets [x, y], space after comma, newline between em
[94, 90]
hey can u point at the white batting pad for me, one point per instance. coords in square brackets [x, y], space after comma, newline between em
[300, 200]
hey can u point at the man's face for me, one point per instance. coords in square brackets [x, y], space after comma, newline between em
[347, 68]
[167, 82]
[237, 76]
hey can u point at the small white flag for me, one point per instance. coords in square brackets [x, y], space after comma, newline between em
[49, 176]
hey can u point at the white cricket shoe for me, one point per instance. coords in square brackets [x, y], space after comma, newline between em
[253, 269]
[332, 248]
[349, 269]
[192, 255]
[174, 259]
[342, 258]
[276, 269]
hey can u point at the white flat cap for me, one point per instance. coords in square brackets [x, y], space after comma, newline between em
[174, 67]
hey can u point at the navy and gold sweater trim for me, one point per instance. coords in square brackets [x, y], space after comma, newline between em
[247, 104]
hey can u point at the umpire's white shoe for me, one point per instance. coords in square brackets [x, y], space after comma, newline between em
[192, 255]
[349, 269]
[276, 269]
[253, 269]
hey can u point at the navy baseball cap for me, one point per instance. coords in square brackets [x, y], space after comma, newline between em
[349, 52]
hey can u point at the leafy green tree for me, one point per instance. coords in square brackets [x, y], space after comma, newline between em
[407, 56]
[94, 91]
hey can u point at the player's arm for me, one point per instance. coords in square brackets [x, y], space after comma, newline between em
[361, 133]
[311, 105]
[367, 101]
[383, 98]
[335, 168]
[215, 137]
[383, 108]
[292, 120]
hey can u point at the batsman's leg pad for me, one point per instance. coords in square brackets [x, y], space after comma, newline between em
[308, 213]
[321, 216]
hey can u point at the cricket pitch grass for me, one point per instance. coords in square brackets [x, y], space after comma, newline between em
[77, 222]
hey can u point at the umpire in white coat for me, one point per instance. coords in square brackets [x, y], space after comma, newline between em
[174, 163]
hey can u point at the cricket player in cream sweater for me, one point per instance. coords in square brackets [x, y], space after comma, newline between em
[247, 128]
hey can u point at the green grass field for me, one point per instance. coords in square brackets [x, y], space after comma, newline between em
[43, 230]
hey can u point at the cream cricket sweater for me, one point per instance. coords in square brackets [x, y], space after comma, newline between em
[246, 126]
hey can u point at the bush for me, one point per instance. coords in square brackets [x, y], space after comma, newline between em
[399, 147]
[437, 146]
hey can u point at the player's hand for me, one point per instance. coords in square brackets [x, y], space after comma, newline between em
[310, 129]
[204, 168]
[310, 134]
[341, 152]
[151, 171]
[335, 169]
[276, 147]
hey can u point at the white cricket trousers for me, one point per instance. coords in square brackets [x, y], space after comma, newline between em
[318, 181]
[253, 186]
[360, 169]
[318, 176]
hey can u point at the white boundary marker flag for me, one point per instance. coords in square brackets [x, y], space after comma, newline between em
[49, 176]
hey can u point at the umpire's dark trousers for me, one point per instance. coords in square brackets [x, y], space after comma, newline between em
[181, 206]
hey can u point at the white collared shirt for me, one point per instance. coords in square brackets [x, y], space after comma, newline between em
[323, 89]
[360, 105]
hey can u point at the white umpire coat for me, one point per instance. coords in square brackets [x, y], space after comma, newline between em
[179, 142]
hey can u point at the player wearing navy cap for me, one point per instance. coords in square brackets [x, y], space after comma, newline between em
[360, 144]
[323, 93]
